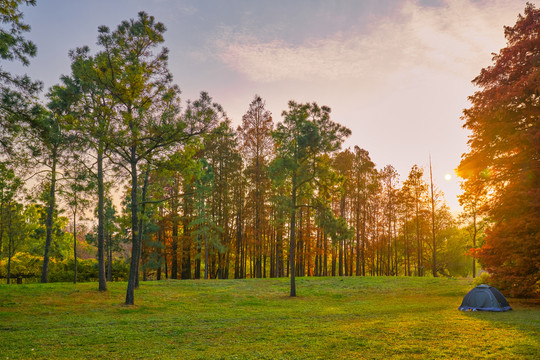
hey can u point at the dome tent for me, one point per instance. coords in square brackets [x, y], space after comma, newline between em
[484, 298]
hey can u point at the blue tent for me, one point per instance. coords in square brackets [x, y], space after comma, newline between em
[484, 298]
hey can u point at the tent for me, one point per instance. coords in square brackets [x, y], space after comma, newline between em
[484, 298]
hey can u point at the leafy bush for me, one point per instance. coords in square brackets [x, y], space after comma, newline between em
[29, 266]
[483, 278]
[22, 265]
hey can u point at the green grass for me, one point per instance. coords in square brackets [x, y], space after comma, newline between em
[332, 318]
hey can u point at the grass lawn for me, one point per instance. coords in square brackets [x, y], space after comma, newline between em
[332, 318]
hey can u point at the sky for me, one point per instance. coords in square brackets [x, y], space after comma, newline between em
[395, 72]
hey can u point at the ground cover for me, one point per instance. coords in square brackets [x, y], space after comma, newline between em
[332, 318]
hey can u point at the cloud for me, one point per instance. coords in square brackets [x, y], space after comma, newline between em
[454, 37]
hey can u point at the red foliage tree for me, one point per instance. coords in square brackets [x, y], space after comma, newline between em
[504, 157]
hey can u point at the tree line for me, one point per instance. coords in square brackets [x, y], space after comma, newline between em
[201, 199]
[204, 199]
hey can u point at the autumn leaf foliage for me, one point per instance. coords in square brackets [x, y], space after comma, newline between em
[504, 155]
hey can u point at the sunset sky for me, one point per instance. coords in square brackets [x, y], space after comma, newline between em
[396, 72]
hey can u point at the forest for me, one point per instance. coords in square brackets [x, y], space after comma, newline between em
[113, 178]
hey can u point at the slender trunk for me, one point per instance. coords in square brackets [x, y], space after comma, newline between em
[109, 258]
[364, 221]
[334, 256]
[272, 241]
[474, 243]
[419, 250]
[197, 274]
[407, 255]
[135, 249]
[341, 241]
[101, 220]
[205, 257]
[307, 251]
[325, 257]
[292, 245]
[186, 236]
[317, 249]
[75, 244]
[10, 245]
[1, 218]
[238, 258]
[434, 261]
[9, 262]
[357, 231]
[174, 248]
[141, 226]
[279, 251]
[395, 251]
[174, 220]
[351, 261]
[49, 221]
[299, 240]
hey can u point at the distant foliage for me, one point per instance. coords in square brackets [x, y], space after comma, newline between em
[28, 268]
[201, 198]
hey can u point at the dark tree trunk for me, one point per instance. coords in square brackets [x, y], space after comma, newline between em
[186, 238]
[474, 244]
[198, 261]
[174, 220]
[419, 261]
[49, 222]
[325, 257]
[1, 222]
[10, 246]
[135, 250]
[109, 258]
[334, 256]
[292, 245]
[237, 259]
[142, 226]
[434, 258]
[174, 248]
[341, 242]
[75, 245]
[101, 221]
[205, 257]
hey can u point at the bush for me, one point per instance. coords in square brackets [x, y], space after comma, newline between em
[25, 265]
[483, 278]
[22, 265]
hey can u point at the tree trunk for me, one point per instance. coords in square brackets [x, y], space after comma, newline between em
[198, 261]
[75, 244]
[434, 259]
[101, 221]
[474, 244]
[205, 257]
[135, 249]
[174, 249]
[418, 244]
[10, 246]
[364, 221]
[109, 258]
[49, 221]
[141, 226]
[1, 219]
[292, 245]
[174, 220]
[325, 257]
[186, 237]
[238, 258]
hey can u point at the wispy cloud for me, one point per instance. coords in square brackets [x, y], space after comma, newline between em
[453, 37]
